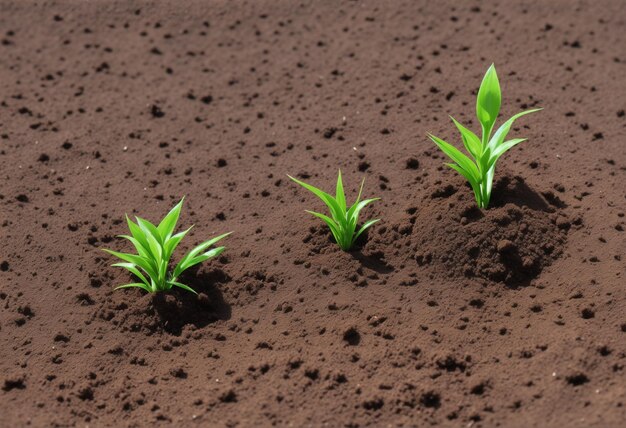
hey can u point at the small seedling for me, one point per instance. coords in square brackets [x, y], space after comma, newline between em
[487, 150]
[155, 245]
[344, 220]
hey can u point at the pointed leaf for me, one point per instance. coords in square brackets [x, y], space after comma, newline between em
[136, 284]
[155, 249]
[141, 250]
[168, 224]
[144, 263]
[183, 286]
[172, 243]
[188, 262]
[358, 197]
[357, 207]
[183, 263]
[193, 261]
[131, 267]
[149, 229]
[504, 129]
[206, 244]
[488, 100]
[340, 195]
[365, 226]
[214, 252]
[330, 202]
[470, 140]
[461, 159]
[137, 233]
[504, 147]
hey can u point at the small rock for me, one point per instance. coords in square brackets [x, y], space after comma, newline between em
[156, 111]
[563, 223]
[506, 246]
[577, 379]
[13, 381]
[352, 336]
[229, 397]
[329, 132]
[179, 373]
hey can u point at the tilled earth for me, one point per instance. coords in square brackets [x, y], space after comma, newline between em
[444, 314]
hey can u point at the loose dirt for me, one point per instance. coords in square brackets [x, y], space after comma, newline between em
[443, 315]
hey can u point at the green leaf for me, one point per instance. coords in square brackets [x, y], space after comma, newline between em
[470, 140]
[206, 244]
[488, 101]
[355, 209]
[181, 267]
[504, 129]
[192, 259]
[213, 252]
[365, 226]
[131, 267]
[197, 260]
[146, 264]
[167, 225]
[162, 273]
[149, 229]
[143, 252]
[136, 284]
[156, 248]
[340, 195]
[172, 243]
[137, 233]
[183, 286]
[358, 197]
[489, 185]
[454, 154]
[504, 147]
[330, 202]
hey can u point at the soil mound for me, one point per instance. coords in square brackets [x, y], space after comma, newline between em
[511, 242]
[171, 312]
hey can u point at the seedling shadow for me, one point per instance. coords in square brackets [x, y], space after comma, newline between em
[180, 308]
[374, 261]
[514, 190]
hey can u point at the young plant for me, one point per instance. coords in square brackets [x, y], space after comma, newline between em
[155, 245]
[485, 151]
[344, 220]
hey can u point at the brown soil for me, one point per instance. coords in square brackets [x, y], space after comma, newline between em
[444, 314]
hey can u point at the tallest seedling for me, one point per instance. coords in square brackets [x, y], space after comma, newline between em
[485, 151]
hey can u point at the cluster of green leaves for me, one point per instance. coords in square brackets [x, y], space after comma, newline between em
[155, 245]
[343, 220]
[485, 151]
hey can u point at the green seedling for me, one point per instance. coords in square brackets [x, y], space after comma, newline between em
[344, 220]
[485, 151]
[155, 245]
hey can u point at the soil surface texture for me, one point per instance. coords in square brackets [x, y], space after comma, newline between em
[444, 314]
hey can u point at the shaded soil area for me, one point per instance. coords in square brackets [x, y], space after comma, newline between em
[511, 242]
[443, 315]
